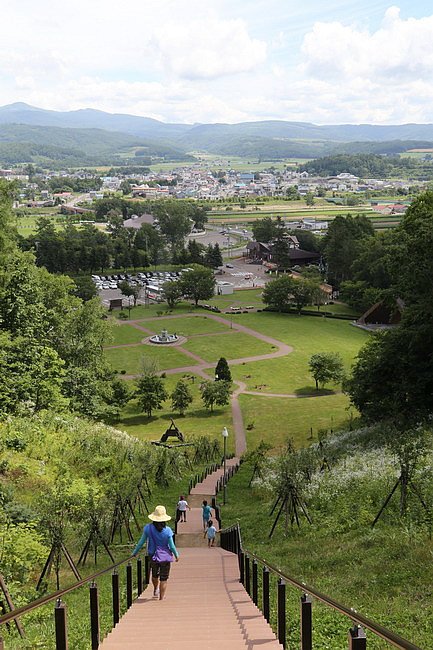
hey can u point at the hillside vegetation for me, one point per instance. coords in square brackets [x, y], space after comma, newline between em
[383, 572]
[71, 146]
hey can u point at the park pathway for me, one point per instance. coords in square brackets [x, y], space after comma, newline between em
[206, 607]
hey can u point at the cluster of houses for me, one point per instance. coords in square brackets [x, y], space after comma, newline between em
[200, 182]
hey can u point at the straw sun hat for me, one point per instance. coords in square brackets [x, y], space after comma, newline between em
[159, 514]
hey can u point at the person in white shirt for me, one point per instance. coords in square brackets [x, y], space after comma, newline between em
[182, 507]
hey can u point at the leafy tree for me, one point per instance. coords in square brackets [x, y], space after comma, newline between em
[7, 228]
[128, 290]
[264, 230]
[151, 241]
[342, 244]
[172, 293]
[326, 367]
[32, 376]
[359, 295]
[151, 393]
[292, 193]
[215, 393]
[222, 371]
[392, 378]
[120, 395]
[174, 221]
[198, 284]
[85, 288]
[281, 247]
[181, 397]
[309, 198]
[278, 293]
[125, 187]
[308, 241]
[303, 292]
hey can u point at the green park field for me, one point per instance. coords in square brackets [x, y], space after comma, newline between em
[277, 396]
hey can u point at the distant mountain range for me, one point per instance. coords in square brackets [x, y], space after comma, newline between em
[98, 136]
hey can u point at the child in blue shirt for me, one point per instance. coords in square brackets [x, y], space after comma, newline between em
[207, 511]
[210, 533]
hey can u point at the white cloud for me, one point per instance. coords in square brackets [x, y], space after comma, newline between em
[208, 47]
[399, 50]
[202, 62]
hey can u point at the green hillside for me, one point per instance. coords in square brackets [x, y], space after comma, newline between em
[30, 143]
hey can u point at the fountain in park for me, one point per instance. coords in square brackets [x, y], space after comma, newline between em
[164, 338]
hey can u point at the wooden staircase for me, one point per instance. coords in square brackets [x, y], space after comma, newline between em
[205, 608]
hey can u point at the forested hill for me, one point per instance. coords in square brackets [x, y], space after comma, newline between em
[34, 143]
[90, 133]
[362, 165]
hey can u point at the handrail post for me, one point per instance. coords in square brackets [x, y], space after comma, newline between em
[247, 575]
[255, 583]
[146, 569]
[94, 615]
[116, 597]
[306, 623]
[265, 593]
[60, 620]
[357, 638]
[128, 585]
[281, 599]
[139, 577]
[242, 568]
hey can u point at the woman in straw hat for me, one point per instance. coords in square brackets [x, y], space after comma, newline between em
[160, 548]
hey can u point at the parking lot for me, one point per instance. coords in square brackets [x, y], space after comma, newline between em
[149, 281]
[237, 272]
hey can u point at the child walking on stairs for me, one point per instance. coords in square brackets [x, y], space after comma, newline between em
[210, 533]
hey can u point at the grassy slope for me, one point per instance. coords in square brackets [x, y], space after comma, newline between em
[197, 420]
[385, 573]
[276, 419]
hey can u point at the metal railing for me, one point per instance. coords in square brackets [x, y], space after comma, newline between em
[60, 609]
[249, 562]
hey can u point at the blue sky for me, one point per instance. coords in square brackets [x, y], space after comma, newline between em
[194, 61]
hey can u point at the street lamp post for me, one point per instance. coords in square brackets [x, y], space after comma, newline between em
[225, 434]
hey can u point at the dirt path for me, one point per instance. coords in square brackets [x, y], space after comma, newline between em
[202, 366]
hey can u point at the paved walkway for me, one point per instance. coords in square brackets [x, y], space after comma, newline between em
[206, 608]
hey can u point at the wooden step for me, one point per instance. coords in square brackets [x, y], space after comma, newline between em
[205, 608]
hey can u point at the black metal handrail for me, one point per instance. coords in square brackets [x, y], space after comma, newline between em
[44, 600]
[231, 541]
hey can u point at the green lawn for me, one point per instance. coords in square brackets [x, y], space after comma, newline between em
[187, 326]
[275, 418]
[196, 422]
[307, 335]
[129, 358]
[232, 346]
[123, 334]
